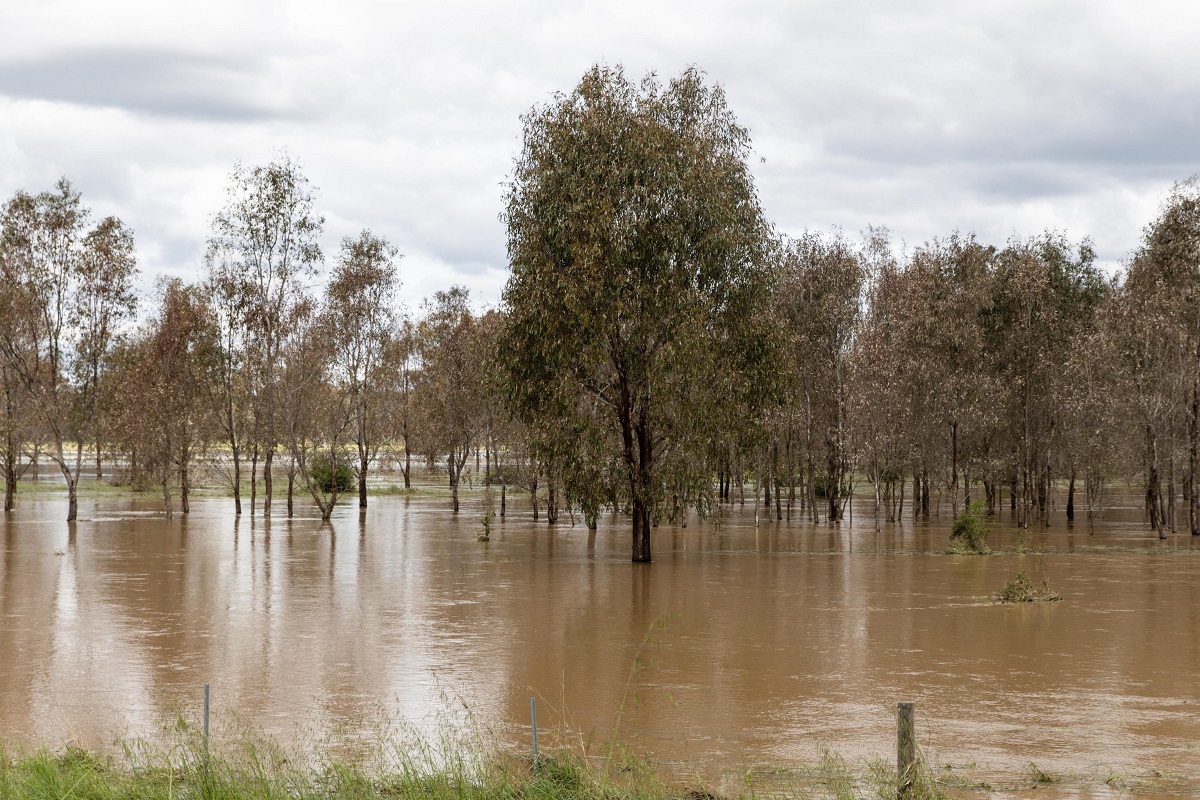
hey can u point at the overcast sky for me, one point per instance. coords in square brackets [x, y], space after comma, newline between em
[1003, 118]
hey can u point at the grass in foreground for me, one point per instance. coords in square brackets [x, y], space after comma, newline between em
[257, 769]
[253, 768]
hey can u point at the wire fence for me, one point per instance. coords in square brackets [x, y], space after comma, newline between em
[974, 752]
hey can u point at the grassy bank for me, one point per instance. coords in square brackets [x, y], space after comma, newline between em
[392, 763]
[250, 767]
[76, 773]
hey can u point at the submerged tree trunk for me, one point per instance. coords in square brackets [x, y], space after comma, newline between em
[166, 495]
[11, 455]
[71, 477]
[72, 500]
[924, 493]
[185, 485]
[503, 484]
[267, 476]
[954, 468]
[253, 478]
[757, 485]
[533, 487]
[237, 481]
[641, 532]
[1071, 497]
[363, 463]
[1194, 441]
[638, 449]
[1153, 500]
[1171, 494]
[551, 496]
[10, 488]
[778, 497]
[407, 460]
[916, 493]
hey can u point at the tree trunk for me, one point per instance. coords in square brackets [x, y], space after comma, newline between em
[635, 439]
[765, 474]
[1194, 441]
[1071, 497]
[72, 501]
[791, 460]
[185, 484]
[11, 456]
[237, 481]
[924, 494]
[875, 484]
[363, 463]
[833, 482]
[778, 496]
[407, 461]
[757, 485]
[503, 482]
[641, 536]
[551, 496]
[291, 490]
[1171, 494]
[267, 476]
[1153, 501]
[954, 468]
[253, 478]
[641, 532]
[166, 494]
[533, 487]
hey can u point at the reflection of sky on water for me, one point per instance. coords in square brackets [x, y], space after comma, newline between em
[738, 645]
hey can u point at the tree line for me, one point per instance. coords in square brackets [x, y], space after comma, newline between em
[660, 347]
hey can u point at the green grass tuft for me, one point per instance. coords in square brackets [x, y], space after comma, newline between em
[1022, 590]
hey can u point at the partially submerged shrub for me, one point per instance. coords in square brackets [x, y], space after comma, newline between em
[1022, 590]
[1039, 775]
[969, 534]
[489, 515]
[322, 474]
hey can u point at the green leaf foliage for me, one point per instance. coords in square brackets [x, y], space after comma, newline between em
[640, 271]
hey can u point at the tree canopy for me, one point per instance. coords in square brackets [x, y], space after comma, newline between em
[639, 253]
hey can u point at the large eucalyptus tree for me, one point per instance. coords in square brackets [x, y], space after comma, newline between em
[639, 257]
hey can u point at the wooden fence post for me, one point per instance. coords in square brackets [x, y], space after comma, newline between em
[906, 749]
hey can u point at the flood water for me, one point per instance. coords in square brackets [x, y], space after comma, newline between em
[738, 646]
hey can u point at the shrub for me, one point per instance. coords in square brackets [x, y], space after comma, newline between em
[1022, 590]
[969, 534]
[322, 475]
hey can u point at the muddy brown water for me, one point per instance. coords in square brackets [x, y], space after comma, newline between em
[737, 646]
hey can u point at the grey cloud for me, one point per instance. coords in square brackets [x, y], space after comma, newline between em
[148, 81]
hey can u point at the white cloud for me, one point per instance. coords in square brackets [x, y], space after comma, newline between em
[923, 116]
